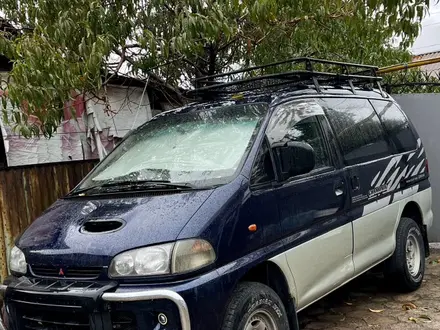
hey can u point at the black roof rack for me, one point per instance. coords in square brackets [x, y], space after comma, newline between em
[301, 71]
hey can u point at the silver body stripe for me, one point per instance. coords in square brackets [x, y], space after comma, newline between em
[417, 169]
[375, 178]
[405, 193]
[399, 178]
[392, 177]
[376, 205]
[410, 171]
[393, 162]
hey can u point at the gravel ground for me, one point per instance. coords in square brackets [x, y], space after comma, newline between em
[366, 303]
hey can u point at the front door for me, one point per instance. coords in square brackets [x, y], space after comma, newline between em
[312, 207]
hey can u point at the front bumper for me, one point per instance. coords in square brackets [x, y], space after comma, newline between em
[89, 306]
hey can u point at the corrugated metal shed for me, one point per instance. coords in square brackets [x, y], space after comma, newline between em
[97, 128]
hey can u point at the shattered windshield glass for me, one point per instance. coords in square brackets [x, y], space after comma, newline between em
[198, 147]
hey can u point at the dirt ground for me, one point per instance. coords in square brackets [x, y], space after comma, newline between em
[367, 304]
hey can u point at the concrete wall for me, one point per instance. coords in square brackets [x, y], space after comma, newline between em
[424, 112]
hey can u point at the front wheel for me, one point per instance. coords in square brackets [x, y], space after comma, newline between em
[255, 306]
[405, 270]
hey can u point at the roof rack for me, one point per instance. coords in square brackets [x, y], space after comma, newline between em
[302, 71]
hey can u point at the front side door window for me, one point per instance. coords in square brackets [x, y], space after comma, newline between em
[298, 122]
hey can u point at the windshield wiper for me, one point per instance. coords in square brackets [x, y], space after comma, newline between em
[148, 183]
[137, 185]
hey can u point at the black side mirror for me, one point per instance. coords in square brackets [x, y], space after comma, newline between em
[295, 158]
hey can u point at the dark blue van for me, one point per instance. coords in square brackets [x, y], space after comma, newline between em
[234, 212]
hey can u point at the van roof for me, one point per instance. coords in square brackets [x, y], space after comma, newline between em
[298, 76]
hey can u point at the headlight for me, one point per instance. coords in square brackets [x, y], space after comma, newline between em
[17, 261]
[172, 258]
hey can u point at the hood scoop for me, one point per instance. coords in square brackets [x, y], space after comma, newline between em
[102, 226]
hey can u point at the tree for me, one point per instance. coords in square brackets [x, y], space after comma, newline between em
[72, 45]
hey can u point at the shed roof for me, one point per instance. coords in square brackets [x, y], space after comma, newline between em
[429, 68]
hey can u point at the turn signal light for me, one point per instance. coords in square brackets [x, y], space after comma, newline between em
[252, 228]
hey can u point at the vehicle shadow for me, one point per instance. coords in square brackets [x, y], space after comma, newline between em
[351, 303]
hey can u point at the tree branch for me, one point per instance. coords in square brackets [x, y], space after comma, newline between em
[212, 57]
[121, 61]
[195, 66]
[228, 44]
[171, 10]
[165, 84]
[132, 46]
[298, 20]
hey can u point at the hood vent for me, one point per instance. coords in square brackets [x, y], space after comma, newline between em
[102, 226]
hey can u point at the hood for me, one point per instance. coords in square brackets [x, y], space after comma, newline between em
[56, 237]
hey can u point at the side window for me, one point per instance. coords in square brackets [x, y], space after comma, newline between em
[308, 130]
[263, 171]
[358, 129]
[297, 121]
[396, 125]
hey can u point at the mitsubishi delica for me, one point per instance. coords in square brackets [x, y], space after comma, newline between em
[233, 212]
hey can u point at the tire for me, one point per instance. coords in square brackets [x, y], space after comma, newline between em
[398, 272]
[252, 304]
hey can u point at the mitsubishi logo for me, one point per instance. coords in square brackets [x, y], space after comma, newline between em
[61, 272]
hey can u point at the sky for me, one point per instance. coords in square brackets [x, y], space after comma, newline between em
[429, 41]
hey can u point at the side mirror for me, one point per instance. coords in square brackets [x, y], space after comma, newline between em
[295, 158]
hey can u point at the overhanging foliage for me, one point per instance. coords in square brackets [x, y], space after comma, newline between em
[71, 45]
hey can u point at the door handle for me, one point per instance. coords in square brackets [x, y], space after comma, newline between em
[339, 188]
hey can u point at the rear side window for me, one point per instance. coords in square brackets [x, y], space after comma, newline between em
[358, 130]
[396, 125]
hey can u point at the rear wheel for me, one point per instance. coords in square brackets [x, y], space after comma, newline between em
[255, 306]
[405, 270]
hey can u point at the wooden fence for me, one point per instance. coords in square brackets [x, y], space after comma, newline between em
[26, 192]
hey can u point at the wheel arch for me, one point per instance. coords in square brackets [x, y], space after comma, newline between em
[270, 274]
[413, 211]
